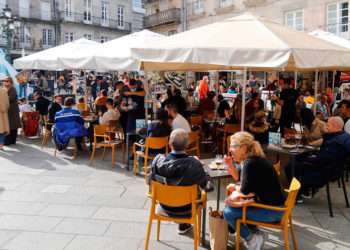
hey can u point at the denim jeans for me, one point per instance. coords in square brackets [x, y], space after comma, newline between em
[231, 214]
[23, 90]
[2, 139]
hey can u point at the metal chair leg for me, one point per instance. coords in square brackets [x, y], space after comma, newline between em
[345, 192]
[329, 201]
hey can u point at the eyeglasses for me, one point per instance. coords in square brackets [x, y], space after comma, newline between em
[235, 145]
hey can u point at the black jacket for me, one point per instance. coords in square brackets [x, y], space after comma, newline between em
[180, 170]
[54, 108]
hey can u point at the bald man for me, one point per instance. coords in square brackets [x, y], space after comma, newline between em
[317, 169]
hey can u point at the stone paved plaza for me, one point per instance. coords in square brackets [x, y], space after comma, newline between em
[51, 203]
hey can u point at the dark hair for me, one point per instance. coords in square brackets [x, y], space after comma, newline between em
[162, 115]
[132, 81]
[104, 92]
[119, 83]
[220, 98]
[190, 90]
[169, 92]
[172, 106]
[344, 102]
[23, 99]
[211, 94]
[69, 102]
[38, 93]
[110, 101]
[56, 96]
[81, 100]
[307, 117]
[177, 92]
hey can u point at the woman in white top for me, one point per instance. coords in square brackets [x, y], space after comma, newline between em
[111, 114]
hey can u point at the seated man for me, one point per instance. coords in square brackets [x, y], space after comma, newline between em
[68, 124]
[112, 114]
[179, 169]
[317, 169]
[24, 106]
[178, 120]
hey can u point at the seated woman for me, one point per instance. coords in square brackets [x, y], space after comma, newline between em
[81, 105]
[314, 128]
[259, 127]
[259, 183]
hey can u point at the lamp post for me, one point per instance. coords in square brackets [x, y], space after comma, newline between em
[9, 25]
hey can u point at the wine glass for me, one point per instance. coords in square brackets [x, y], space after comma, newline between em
[219, 161]
[298, 138]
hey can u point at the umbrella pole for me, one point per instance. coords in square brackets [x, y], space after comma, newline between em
[243, 98]
[295, 79]
[316, 90]
[333, 80]
[145, 86]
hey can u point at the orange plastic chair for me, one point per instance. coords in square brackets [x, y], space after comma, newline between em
[285, 222]
[193, 143]
[151, 143]
[176, 196]
[101, 131]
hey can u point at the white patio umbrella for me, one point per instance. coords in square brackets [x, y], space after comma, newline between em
[116, 54]
[334, 39]
[50, 59]
[243, 42]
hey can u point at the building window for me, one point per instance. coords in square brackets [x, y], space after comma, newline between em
[88, 36]
[68, 37]
[294, 19]
[225, 3]
[338, 18]
[87, 11]
[104, 14]
[68, 10]
[47, 37]
[198, 7]
[138, 6]
[24, 7]
[45, 11]
[120, 16]
[104, 39]
[25, 36]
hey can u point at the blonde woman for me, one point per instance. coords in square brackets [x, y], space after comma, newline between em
[259, 182]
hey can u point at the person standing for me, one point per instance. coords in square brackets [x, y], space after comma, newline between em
[288, 99]
[203, 88]
[13, 112]
[4, 120]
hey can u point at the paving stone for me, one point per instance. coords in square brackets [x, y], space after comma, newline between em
[102, 243]
[28, 223]
[39, 241]
[67, 198]
[82, 226]
[19, 196]
[6, 236]
[58, 189]
[23, 208]
[68, 211]
[122, 214]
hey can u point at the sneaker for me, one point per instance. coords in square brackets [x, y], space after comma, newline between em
[184, 228]
[256, 242]
[264, 235]
[300, 200]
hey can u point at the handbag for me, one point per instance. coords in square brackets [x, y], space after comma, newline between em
[218, 230]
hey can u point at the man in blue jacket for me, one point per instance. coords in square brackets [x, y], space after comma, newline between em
[68, 124]
[326, 165]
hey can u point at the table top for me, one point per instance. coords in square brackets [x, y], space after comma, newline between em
[215, 173]
[90, 118]
[291, 151]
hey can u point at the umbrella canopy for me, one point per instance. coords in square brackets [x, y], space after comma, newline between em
[66, 56]
[240, 42]
[116, 54]
[330, 37]
[6, 69]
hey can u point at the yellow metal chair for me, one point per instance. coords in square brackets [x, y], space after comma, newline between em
[102, 132]
[285, 222]
[150, 143]
[176, 196]
[193, 143]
